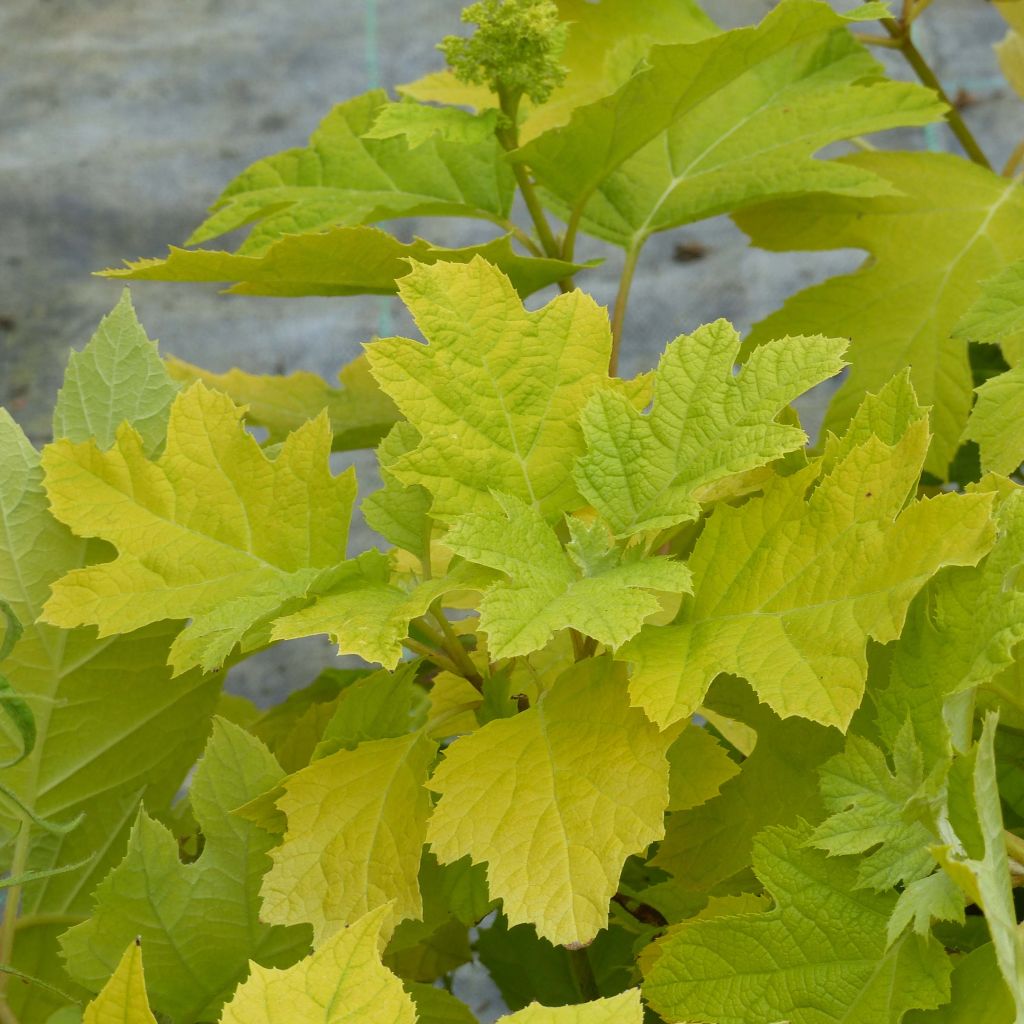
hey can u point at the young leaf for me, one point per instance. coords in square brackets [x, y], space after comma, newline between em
[356, 826]
[554, 800]
[646, 471]
[118, 376]
[819, 956]
[342, 982]
[998, 313]
[620, 1009]
[344, 177]
[926, 267]
[417, 123]
[591, 586]
[791, 586]
[204, 926]
[361, 414]
[122, 1000]
[995, 422]
[199, 531]
[340, 261]
[496, 393]
[715, 125]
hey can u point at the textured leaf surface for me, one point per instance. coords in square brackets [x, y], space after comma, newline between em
[592, 587]
[340, 261]
[198, 921]
[344, 178]
[554, 800]
[714, 125]
[356, 827]
[791, 586]
[620, 1009]
[995, 421]
[199, 531]
[418, 123]
[360, 413]
[645, 471]
[928, 259]
[819, 956]
[496, 392]
[122, 1000]
[998, 313]
[118, 376]
[342, 982]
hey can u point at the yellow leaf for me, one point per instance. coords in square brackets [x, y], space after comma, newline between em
[621, 1009]
[123, 999]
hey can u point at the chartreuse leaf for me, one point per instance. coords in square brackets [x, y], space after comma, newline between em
[118, 376]
[995, 421]
[122, 1000]
[926, 269]
[698, 768]
[111, 725]
[554, 800]
[711, 126]
[198, 921]
[868, 804]
[776, 785]
[590, 586]
[200, 531]
[645, 471]
[978, 863]
[341, 982]
[360, 413]
[604, 44]
[436, 1006]
[621, 1009]
[791, 586]
[343, 178]
[418, 123]
[978, 994]
[496, 393]
[820, 955]
[1011, 50]
[340, 261]
[998, 313]
[961, 632]
[356, 827]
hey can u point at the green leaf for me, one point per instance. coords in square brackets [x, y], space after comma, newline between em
[961, 632]
[341, 982]
[645, 471]
[496, 393]
[926, 268]
[340, 261]
[360, 413]
[869, 810]
[998, 313]
[418, 123]
[820, 955]
[199, 532]
[979, 994]
[122, 1000]
[698, 768]
[198, 921]
[592, 587]
[356, 827]
[117, 377]
[792, 585]
[995, 422]
[345, 177]
[554, 800]
[932, 898]
[711, 126]
[436, 1006]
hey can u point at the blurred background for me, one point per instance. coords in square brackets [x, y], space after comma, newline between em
[121, 121]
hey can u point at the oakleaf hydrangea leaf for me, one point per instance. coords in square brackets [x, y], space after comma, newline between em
[711, 126]
[901, 308]
[344, 177]
[361, 414]
[791, 586]
[995, 421]
[961, 632]
[554, 800]
[698, 768]
[932, 898]
[590, 587]
[118, 376]
[868, 804]
[122, 1000]
[645, 471]
[998, 312]
[621, 1009]
[356, 827]
[436, 1006]
[340, 261]
[819, 956]
[205, 925]
[497, 391]
[200, 531]
[417, 123]
[341, 982]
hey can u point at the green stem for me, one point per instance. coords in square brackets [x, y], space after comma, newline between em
[1014, 848]
[455, 650]
[438, 659]
[19, 862]
[520, 235]
[621, 301]
[900, 32]
[583, 974]
[46, 920]
[1015, 160]
[571, 229]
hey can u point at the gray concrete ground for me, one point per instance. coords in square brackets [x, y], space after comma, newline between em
[120, 120]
